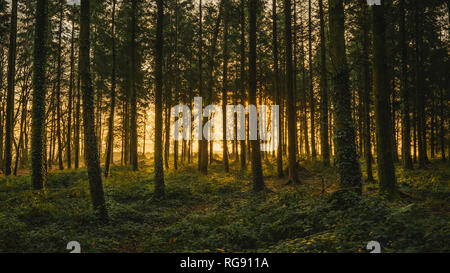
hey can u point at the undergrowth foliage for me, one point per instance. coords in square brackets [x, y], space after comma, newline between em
[219, 213]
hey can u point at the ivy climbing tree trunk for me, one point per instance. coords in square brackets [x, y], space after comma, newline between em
[346, 157]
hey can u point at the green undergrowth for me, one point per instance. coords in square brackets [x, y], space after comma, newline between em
[219, 213]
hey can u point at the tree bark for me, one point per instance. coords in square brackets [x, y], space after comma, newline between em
[346, 158]
[90, 140]
[325, 150]
[109, 148]
[292, 127]
[159, 170]
[12, 53]
[258, 180]
[386, 171]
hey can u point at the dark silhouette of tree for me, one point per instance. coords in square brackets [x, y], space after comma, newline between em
[90, 140]
[404, 92]
[159, 170]
[325, 150]
[38, 171]
[109, 148]
[258, 180]
[9, 124]
[386, 171]
[277, 85]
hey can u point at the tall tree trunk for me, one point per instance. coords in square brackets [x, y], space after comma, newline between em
[225, 85]
[109, 148]
[277, 85]
[159, 171]
[404, 92]
[69, 111]
[386, 171]
[311, 87]
[420, 91]
[292, 127]
[9, 124]
[200, 82]
[258, 180]
[58, 87]
[77, 120]
[366, 93]
[346, 156]
[38, 154]
[90, 140]
[325, 150]
[133, 103]
[242, 81]
[211, 62]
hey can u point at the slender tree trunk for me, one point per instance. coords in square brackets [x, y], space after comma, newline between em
[9, 124]
[346, 156]
[311, 88]
[365, 25]
[225, 86]
[292, 127]
[386, 171]
[133, 115]
[77, 120]
[58, 88]
[258, 180]
[325, 150]
[159, 171]
[69, 111]
[404, 92]
[242, 81]
[200, 83]
[110, 143]
[90, 140]
[277, 84]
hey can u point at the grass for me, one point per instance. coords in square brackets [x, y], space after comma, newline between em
[219, 213]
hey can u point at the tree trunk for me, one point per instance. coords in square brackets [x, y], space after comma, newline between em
[277, 85]
[58, 88]
[325, 150]
[109, 148]
[311, 88]
[346, 157]
[258, 180]
[133, 114]
[292, 127]
[159, 171]
[69, 111]
[386, 171]
[9, 126]
[225, 86]
[90, 140]
[404, 93]
[242, 77]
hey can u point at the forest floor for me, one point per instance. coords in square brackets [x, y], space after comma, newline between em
[219, 212]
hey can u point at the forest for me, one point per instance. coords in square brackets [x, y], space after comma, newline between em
[358, 149]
